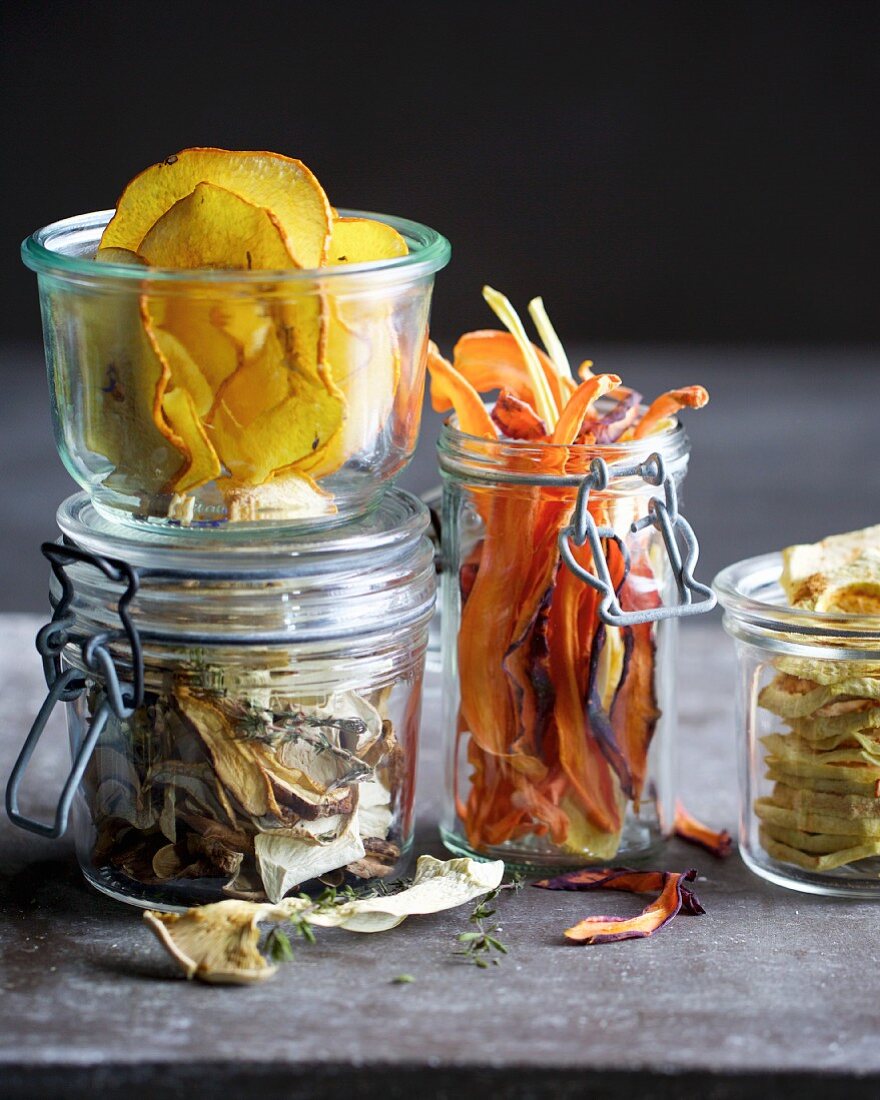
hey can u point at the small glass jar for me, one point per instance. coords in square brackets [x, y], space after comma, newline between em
[560, 727]
[807, 722]
[233, 397]
[274, 743]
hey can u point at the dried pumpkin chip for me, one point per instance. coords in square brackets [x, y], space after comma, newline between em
[213, 227]
[203, 465]
[277, 183]
[359, 240]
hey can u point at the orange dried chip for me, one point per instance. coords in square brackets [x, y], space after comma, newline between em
[450, 389]
[359, 240]
[279, 184]
[202, 465]
[687, 828]
[214, 228]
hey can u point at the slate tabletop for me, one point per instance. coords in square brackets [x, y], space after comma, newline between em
[771, 992]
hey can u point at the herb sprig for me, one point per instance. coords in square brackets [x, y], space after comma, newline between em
[481, 946]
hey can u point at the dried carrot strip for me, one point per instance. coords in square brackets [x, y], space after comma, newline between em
[634, 712]
[579, 754]
[668, 404]
[625, 879]
[493, 360]
[654, 917]
[487, 621]
[687, 828]
[449, 389]
[578, 406]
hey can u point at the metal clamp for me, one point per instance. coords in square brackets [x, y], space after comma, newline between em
[662, 515]
[120, 698]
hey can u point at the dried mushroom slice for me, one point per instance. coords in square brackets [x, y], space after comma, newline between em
[285, 861]
[216, 943]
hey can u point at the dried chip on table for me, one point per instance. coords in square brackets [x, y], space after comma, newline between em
[717, 841]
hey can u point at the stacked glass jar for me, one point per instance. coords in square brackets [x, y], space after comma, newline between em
[241, 604]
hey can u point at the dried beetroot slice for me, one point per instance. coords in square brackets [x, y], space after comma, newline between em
[516, 418]
[652, 918]
[624, 878]
[687, 828]
[610, 427]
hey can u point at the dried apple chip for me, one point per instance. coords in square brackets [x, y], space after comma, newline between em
[276, 183]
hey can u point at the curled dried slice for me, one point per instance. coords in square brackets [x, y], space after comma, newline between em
[219, 943]
[216, 943]
[516, 418]
[578, 406]
[359, 240]
[279, 184]
[668, 404]
[493, 360]
[450, 389]
[654, 917]
[625, 879]
[688, 828]
[213, 227]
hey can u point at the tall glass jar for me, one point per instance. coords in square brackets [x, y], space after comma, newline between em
[272, 744]
[204, 397]
[808, 727]
[560, 727]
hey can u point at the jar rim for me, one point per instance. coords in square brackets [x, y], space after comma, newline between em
[396, 522]
[472, 455]
[750, 592]
[44, 252]
[361, 579]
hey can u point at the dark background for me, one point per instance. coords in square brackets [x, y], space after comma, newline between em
[692, 187]
[672, 171]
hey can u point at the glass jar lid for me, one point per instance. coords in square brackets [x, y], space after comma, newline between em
[357, 579]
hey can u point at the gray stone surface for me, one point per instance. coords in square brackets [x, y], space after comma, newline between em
[785, 452]
[771, 992]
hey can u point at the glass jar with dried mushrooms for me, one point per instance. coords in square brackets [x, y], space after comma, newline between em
[275, 748]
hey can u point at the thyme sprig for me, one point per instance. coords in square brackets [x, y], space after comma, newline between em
[481, 945]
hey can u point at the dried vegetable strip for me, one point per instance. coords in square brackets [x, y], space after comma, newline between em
[688, 828]
[557, 713]
[673, 897]
[625, 879]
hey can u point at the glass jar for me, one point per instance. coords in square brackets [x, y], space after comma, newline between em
[216, 396]
[807, 721]
[559, 714]
[267, 731]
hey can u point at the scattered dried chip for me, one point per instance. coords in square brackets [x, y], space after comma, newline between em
[655, 916]
[688, 828]
[625, 879]
[219, 943]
